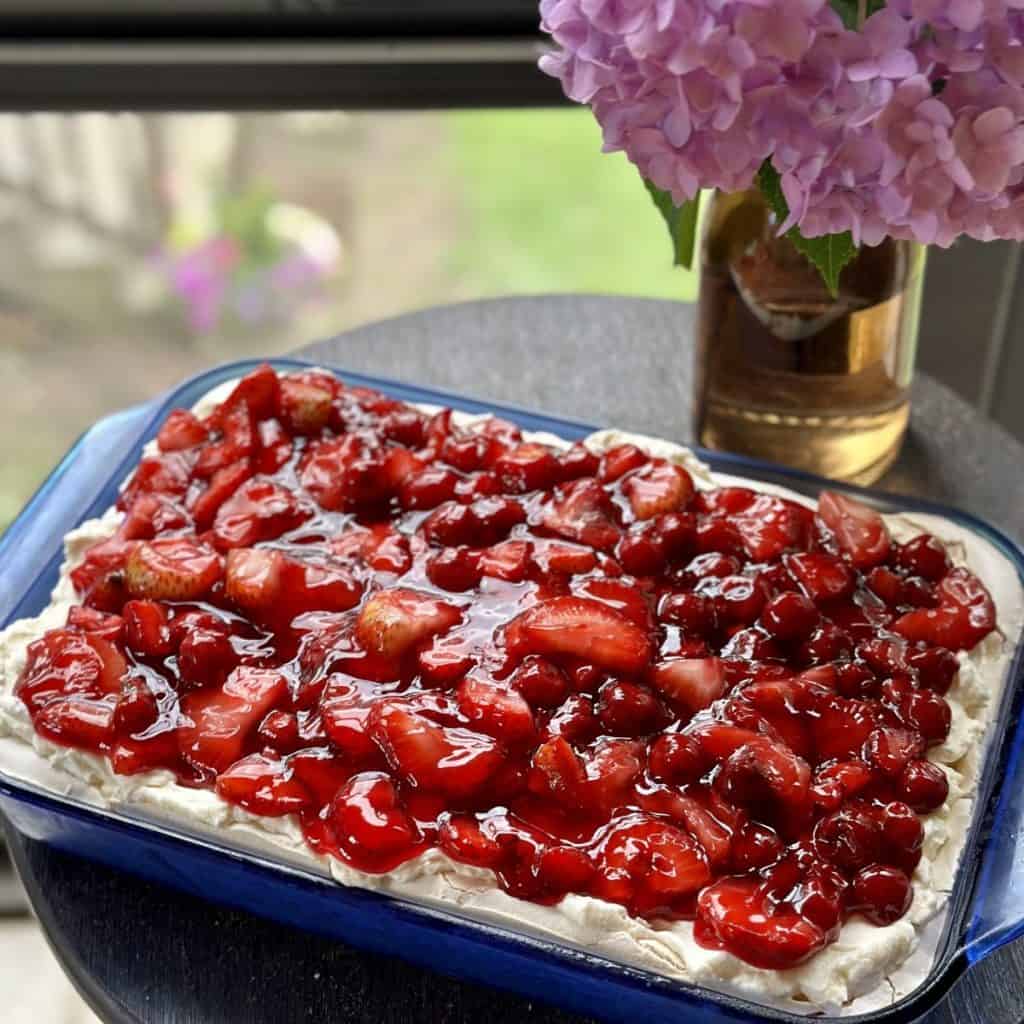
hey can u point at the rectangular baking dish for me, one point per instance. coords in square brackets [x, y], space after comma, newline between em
[986, 907]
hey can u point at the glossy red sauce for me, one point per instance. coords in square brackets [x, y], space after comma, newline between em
[578, 672]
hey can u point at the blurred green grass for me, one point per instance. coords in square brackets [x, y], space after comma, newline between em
[547, 211]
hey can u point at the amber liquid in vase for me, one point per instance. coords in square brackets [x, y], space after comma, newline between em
[786, 371]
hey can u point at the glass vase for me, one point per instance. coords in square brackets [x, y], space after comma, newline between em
[790, 373]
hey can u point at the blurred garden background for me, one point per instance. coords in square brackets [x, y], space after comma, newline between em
[140, 250]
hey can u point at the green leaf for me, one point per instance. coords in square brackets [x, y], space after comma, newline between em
[849, 11]
[681, 222]
[829, 253]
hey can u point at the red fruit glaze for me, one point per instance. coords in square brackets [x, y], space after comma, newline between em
[576, 672]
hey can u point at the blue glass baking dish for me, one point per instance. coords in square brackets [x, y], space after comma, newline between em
[986, 907]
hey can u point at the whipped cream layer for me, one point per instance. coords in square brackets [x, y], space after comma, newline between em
[867, 968]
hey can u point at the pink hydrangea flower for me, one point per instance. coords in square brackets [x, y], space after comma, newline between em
[911, 127]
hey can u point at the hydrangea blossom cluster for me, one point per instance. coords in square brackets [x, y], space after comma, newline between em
[911, 126]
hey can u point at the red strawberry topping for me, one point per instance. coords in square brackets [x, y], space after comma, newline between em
[575, 671]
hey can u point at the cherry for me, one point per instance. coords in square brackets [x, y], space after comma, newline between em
[455, 569]
[881, 893]
[925, 557]
[826, 643]
[923, 786]
[543, 684]
[575, 720]
[755, 846]
[676, 758]
[789, 616]
[928, 713]
[936, 667]
[694, 613]
[626, 709]
[738, 600]
[851, 838]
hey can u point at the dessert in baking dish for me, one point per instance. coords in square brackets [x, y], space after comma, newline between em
[698, 726]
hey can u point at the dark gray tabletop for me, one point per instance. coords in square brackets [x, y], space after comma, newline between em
[139, 952]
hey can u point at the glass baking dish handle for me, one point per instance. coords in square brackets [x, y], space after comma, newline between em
[997, 913]
[58, 506]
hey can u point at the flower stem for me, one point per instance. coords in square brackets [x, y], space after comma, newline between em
[862, 13]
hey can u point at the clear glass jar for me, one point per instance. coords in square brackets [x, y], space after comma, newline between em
[786, 371]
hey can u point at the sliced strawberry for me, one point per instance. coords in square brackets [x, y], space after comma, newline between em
[448, 760]
[89, 620]
[223, 484]
[337, 473]
[257, 390]
[610, 772]
[578, 461]
[263, 785]
[237, 443]
[527, 467]
[419, 486]
[557, 771]
[451, 524]
[583, 628]
[509, 560]
[924, 556]
[172, 570]
[404, 426]
[583, 511]
[555, 556]
[965, 616]
[371, 823]
[316, 586]
[65, 662]
[658, 487]
[462, 838]
[823, 577]
[386, 550]
[692, 683]
[736, 915]
[618, 461]
[497, 710]
[859, 530]
[130, 755]
[321, 771]
[345, 709]
[146, 628]
[218, 723]
[660, 864]
[274, 448]
[719, 740]
[152, 515]
[304, 407]
[181, 430]
[157, 474]
[252, 578]
[770, 525]
[100, 577]
[392, 621]
[259, 510]
[77, 721]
